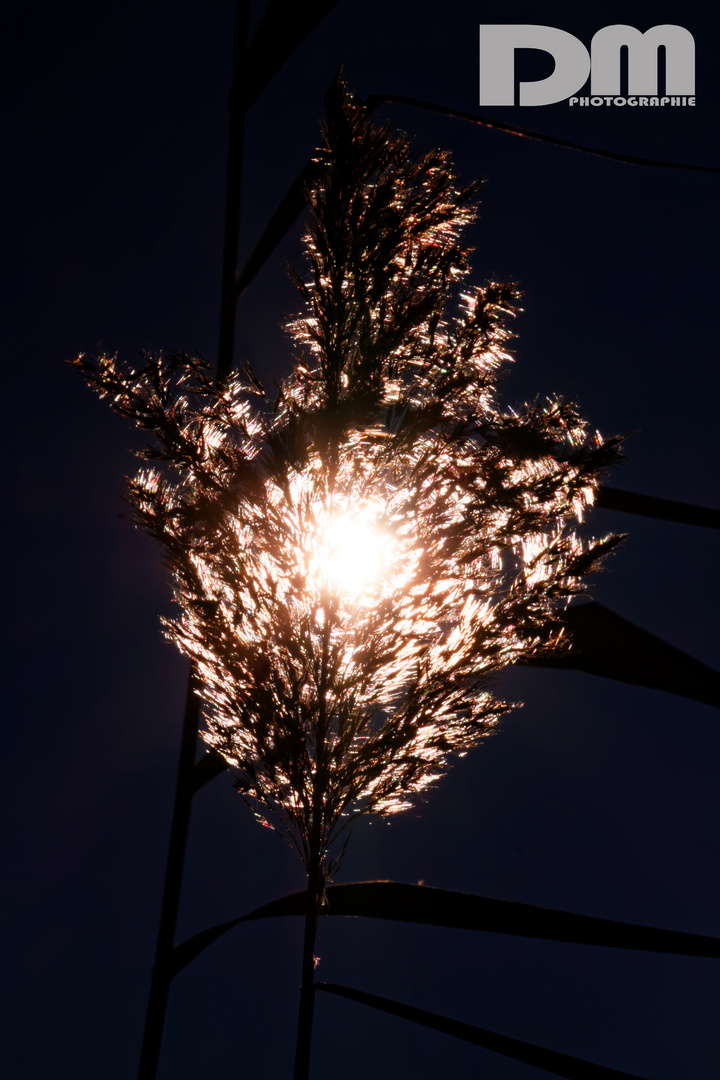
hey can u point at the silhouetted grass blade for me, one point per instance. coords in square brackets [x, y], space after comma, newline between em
[288, 210]
[606, 644]
[374, 100]
[185, 953]
[282, 29]
[207, 768]
[551, 1061]
[464, 911]
[263, 65]
[628, 502]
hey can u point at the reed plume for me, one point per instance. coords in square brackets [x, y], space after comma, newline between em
[353, 561]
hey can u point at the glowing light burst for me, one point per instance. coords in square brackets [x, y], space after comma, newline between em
[353, 564]
[355, 554]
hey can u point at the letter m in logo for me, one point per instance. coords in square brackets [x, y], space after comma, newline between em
[642, 60]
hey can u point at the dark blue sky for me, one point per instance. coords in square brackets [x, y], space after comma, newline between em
[596, 797]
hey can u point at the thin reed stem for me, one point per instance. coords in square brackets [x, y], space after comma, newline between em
[233, 196]
[185, 788]
[316, 877]
[307, 991]
[161, 977]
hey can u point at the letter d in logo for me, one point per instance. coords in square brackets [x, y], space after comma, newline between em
[498, 43]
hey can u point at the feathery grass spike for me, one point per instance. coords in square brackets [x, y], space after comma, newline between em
[352, 566]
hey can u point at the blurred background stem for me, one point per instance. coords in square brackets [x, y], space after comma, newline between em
[185, 787]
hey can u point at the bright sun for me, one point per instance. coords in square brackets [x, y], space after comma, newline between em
[357, 553]
[354, 554]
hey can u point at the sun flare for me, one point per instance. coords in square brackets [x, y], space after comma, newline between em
[354, 553]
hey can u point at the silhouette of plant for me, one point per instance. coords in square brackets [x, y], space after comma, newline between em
[353, 562]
